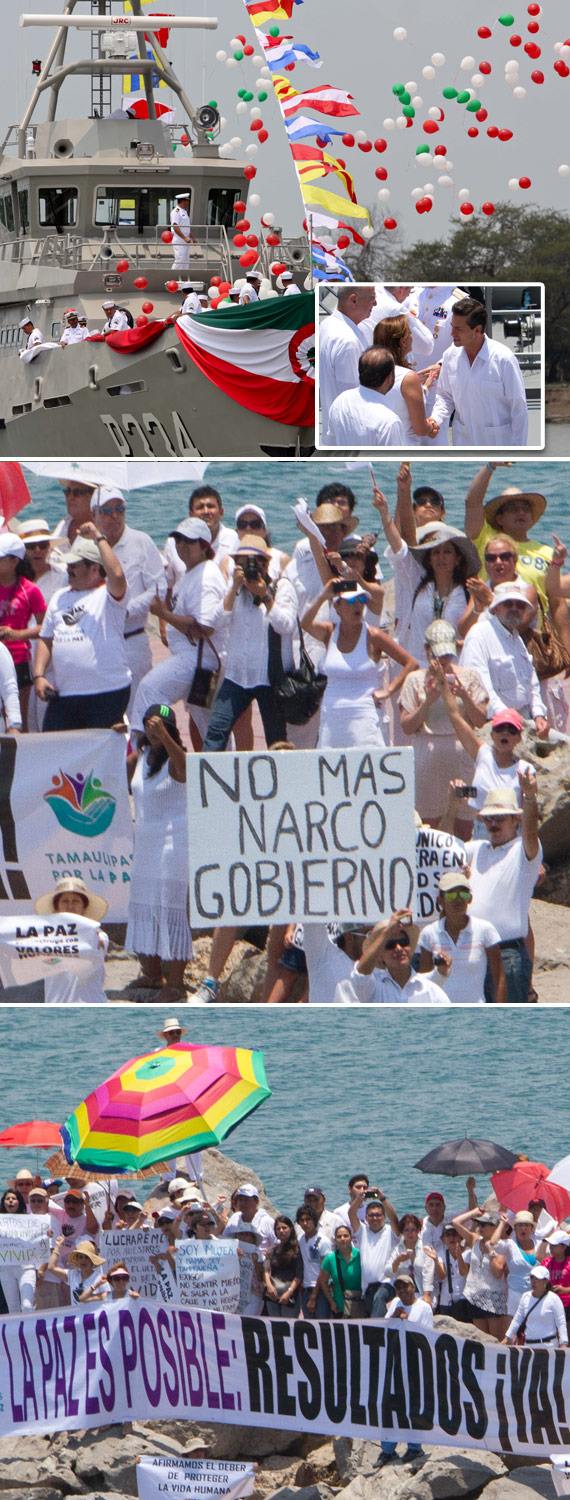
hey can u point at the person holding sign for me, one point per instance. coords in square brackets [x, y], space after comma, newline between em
[70, 895]
[18, 1282]
[354, 697]
[390, 945]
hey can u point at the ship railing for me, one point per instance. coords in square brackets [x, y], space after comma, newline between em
[73, 252]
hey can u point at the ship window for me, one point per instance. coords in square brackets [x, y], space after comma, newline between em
[220, 208]
[145, 208]
[24, 210]
[58, 207]
[9, 212]
[2, 213]
[56, 330]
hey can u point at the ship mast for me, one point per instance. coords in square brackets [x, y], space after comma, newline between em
[100, 82]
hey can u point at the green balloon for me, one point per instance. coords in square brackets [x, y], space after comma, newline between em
[248, 98]
[274, 31]
[399, 88]
[238, 55]
[421, 150]
[241, 93]
[463, 97]
[213, 103]
[449, 92]
[405, 98]
[507, 19]
[408, 111]
[262, 95]
[474, 105]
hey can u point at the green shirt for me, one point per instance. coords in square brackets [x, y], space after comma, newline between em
[351, 1274]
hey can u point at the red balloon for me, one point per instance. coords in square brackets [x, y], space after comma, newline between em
[252, 240]
[348, 139]
[215, 302]
[122, 265]
[473, 132]
[537, 76]
[172, 286]
[488, 209]
[381, 174]
[534, 9]
[525, 182]
[533, 50]
[289, 67]
[561, 69]
[263, 136]
[141, 321]
[250, 172]
[485, 67]
[343, 242]
[430, 127]
[341, 161]
[493, 132]
[167, 236]
[239, 206]
[256, 124]
[215, 281]
[224, 288]
[242, 225]
[505, 135]
[185, 140]
[466, 208]
[248, 51]
[380, 144]
[240, 39]
[440, 151]
[239, 241]
[277, 267]
[272, 239]
[420, 206]
[390, 224]
[140, 282]
[248, 258]
[409, 123]
[482, 114]
[365, 145]
[148, 307]
[484, 32]
[515, 41]
[533, 27]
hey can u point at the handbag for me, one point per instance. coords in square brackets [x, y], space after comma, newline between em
[353, 1301]
[298, 692]
[549, 656]
[204, 685]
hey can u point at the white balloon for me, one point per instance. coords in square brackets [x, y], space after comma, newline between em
[428, 73]
[254, 199]
[221, 56]
[361, 135]
[558, 47]
[231, 62]
[519, 93]
[236, 141]
[514, 183]
[400, 34]
[401, 122]
[438, 59]
[266, 72]
[226, 150]
[241, 108]
[564, 171]
[429, 187]
[388, 124]
[257, 60]
[463, 195]
[445, 181]
[449, 166]
[417, 101]
[267, 219]
[223, 122]
[417, 193]
[235, 42]
[565, 51]
[478, 80]
[254, 111]
[466, 64]
[411, 87]
[260, 83]
[511, 67]
[425, 160]
[435, 112]
[384, 195]
[251, 150]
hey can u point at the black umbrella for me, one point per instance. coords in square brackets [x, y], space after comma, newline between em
[466, 1158]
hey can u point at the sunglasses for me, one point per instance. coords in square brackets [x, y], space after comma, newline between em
[498, 557]
[120, 1276]
[113, 510]
[38, 1197]
[41, 546]
[256, 524]
[462, 894]
[401, 942]
[504, 729]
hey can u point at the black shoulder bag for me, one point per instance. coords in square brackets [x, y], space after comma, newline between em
[298, 692]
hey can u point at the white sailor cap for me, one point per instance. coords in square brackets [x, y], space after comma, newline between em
[25, 321]
[181, 196]
[286, 275]
[109, 303]
[253, 275]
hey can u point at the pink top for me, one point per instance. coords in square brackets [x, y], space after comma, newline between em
[18, 604]
[559, 1272]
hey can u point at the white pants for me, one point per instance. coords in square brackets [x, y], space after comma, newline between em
[139, 657]
[169, 682]
[181, 260]
[305, 736]
[18, 1286]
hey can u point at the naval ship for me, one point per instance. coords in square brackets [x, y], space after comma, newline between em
[78, 196]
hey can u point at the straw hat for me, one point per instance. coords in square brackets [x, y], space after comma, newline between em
[536, 501]
[34, 531]
[328, 515]
[253, 542]
[412, 932]
[434, 533]
[84, 1247]
[500, 801]
[72, 884]
[172, 1024]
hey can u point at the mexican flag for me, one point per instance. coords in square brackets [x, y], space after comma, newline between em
[261, 355]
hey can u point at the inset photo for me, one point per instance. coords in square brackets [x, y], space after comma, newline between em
[433, 366]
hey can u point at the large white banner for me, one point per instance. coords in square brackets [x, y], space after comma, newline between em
[300, 835]
[64, 810]
[144, 1253]
[24, 1239]
[38, 947]
[197, 1478]
[124, 1361]
[208, 1274]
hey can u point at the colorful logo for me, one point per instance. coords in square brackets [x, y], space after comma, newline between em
[80, 804]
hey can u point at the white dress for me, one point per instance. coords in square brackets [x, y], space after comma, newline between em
[398, 404]
[348, 714]
[158, 911]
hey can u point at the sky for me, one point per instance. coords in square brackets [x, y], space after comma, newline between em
[360, 54]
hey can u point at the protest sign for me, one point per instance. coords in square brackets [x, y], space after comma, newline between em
[307, 836]
[123, 1361]
[101, 1196]
[197, 1478]
[64, 810]
[208, 1274]
[251, 1287]
[436, 853]
[38, 947]
[23, 1239]
[142, 1251]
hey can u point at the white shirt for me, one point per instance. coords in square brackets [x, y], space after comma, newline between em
[74, 335]
[191, 304]
[34, 338]
[313, 1251]
[247, 661]
[86, 630]
[464, 986]
[419, 1312]
[292, 290]
[547, 1320]
[198, 595]
[488, 774]
[117, 323]
[327, 965]
[342, 1214]
[144, 571]
[417, 1264]
[502, 881]
[488, 397]
[452, 1274]
[415, 611]
[340, 346]
[248, 294]
[501, 658]
[179, 219]
[261, 1222]
[376, 1251]
[360, 418]
[431, 1233]
[387, 306]
[10, 711]
[379, 988]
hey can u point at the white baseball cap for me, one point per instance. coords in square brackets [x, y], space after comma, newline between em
[193, 530]
[253, 510]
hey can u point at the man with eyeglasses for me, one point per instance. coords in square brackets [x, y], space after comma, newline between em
[143, 569]
[384, 975]
[78, 493]
[494, 646]
[82, 636]
[461, 946]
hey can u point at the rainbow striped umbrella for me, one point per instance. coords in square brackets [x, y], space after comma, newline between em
[164, 1104]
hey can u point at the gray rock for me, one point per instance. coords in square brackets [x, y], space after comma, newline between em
[35, 1447]
[528, 1482]
[310, 1492]
[444, 1324]
[224, 1439]
[355, 1456]
[34, 1493]
[221, 1174]
[109, 1463]
[453, 1474]
[385, 1484]
[24, 1474]
[244, 983]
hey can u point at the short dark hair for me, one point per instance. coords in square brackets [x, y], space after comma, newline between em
[305, 1208]
[200, 494]
[417, 1223]
[472, 310]
[374, 367]
[330, 492]
[359, 1177]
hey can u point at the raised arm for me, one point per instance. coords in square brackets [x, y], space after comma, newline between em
[474, 513]
[320, 629]
[529, 821]
[391, 532]
[404, 518]
[115, 578]
[467, 736]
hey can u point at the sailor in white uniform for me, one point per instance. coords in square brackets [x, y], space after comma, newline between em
[117, 321]
[183, 237]
[34, 335]
[341, 344]
[73, 333]
[250, 292]
[191, 303]
[481, 380]
[290, 288]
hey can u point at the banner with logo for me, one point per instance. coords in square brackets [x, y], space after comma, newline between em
[102, 1363]
[64, 810]
[38, 947]
[144, 1254]
[197, 1478]
[24, 1239]
[300, 836]
[208, 1274]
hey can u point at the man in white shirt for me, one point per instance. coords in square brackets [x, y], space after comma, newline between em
[340, 345]
[504, 871]
[250, 292]
[143, 569]
[73, 333]
[191, 303]
[376, 1239]
[327, 1221]
[330, 960]
[391, 944]
[290, 288]
[495, 648]
[206, 504]
[358, 1186]
[79, 494]
[433, 1224]
[249, 1215]
[117, 320]
[392, 302]
[407, 1306]
[182, 232]
[34, 336]
[435, 305]
[360, 418]
[480, 379]
[82, 637]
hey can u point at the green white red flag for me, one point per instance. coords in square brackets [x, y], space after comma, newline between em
[262, 355]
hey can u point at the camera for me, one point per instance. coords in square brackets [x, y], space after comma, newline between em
[371, 1195]
[251, 569]
[466, 791]
[344, 586]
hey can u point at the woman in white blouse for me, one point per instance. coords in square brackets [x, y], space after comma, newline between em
[253, 603]
[540, 1315]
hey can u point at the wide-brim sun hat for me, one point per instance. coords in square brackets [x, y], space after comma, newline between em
[435, 533]
[84, 1247]
[172, 1024]
[253, 542]
[34, 531]
[96, 907]
[535, 500]
[328, 515]
[409, 928]
[500, 801]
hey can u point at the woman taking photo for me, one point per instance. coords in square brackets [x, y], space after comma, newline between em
[351, 710]
[253, 603]
[406, 399]
[540, 1316]
[485, 1287]
[417, 1260]
[340, 1277]
[283, 1272]
[158, 930]
[439, 756]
